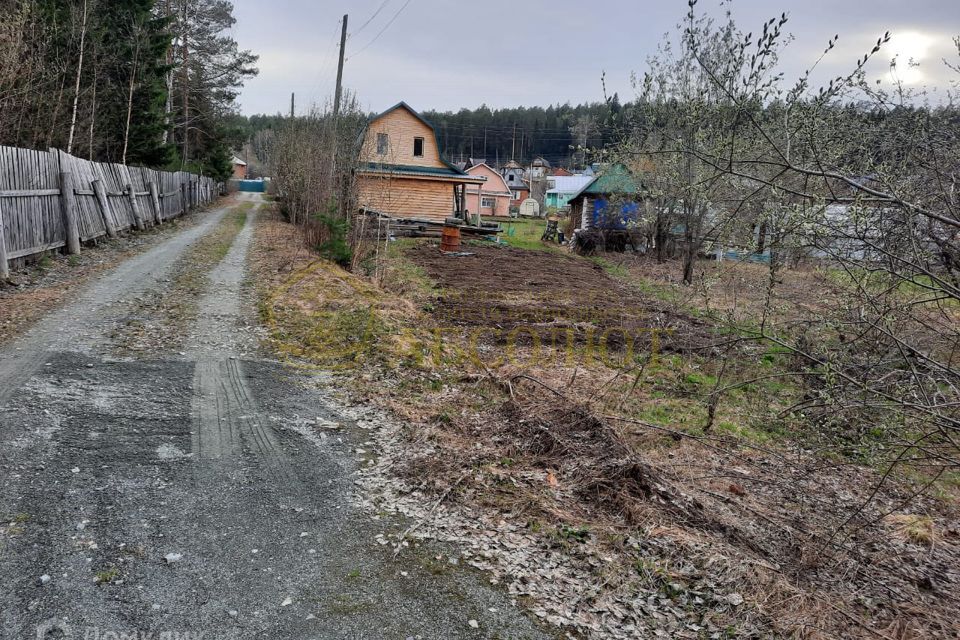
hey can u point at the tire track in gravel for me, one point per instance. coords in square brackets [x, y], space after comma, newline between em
[253, 534]
[227, 420]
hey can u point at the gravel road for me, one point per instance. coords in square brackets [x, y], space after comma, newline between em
[203, 493]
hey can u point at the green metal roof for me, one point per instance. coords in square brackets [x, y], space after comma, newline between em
[616, 179]
[410, 169]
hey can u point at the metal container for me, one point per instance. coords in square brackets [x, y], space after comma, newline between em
[450, 239]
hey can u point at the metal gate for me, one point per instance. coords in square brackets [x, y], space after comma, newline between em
[253, 186]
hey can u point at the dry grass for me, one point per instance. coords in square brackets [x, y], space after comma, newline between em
[912, 528]
[596, 460]
[317, 312]
[161, 318]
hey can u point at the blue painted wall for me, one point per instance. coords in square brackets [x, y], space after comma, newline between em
[603, 219]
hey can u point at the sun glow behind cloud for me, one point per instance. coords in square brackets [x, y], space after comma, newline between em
[908, 52]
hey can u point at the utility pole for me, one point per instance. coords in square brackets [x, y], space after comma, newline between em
[293, 97]
[343, 46]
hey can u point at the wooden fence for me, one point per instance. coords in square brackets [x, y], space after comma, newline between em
[50, 199]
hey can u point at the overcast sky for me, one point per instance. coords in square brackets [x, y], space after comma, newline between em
[448, 54]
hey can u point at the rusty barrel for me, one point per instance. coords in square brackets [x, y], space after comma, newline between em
[450, 238]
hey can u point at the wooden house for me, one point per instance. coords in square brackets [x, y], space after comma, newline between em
[491, 198]
[401, 172]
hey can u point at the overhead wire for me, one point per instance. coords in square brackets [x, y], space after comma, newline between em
[371, 18]
[380, 33]
[326, 67]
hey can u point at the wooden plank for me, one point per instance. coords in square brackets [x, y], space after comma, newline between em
[155, 198]
[4, 265]
[135, 207]
[38, 249]
[104, 204]
[68, 205]
[29, 193]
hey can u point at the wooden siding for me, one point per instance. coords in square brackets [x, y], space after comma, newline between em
[401, 128]
[406, 197]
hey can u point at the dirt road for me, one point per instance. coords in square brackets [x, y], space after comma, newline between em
[201, 491]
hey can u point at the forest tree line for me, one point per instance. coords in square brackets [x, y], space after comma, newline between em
[142, 82]
[557, 133]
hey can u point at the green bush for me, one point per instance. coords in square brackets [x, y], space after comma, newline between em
[335, 247]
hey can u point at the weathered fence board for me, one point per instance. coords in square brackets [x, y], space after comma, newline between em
[34, 209]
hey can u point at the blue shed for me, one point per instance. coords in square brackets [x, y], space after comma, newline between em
[614, 184]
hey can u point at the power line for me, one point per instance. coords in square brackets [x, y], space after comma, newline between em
[326, 67]
[371, 18]
[386, 26]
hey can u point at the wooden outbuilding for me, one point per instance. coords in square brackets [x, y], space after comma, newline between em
[239, 168]
[611, 200]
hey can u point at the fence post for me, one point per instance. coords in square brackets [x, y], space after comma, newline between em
[4, 267]
[68, 207]
[184, 198]
[155, 198]
[135, 206]
[104, 203]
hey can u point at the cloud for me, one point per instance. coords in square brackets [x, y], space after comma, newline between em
[447, 55]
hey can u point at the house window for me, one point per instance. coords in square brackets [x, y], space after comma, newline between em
[516, 195]
[487, 203]
[382, 143]
[418, 147]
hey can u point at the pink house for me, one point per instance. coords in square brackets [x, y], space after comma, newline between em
[491, 198]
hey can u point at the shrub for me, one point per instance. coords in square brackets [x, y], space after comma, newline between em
[331, 237]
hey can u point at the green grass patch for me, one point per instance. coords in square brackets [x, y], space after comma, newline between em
[106, 576]
[525, 233]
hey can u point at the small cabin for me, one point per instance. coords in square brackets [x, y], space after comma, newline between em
[239, 168]
[402, 173]
[611, 200]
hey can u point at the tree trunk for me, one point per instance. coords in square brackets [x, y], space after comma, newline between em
[688, 257]
[56, 112]
[762, 237]
[76, 88]
[168, 102]
[185, 54]
[689, 249]
[133, 80]
[660, 238]
[93, 104]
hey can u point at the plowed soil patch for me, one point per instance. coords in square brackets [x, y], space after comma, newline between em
[553, 295]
